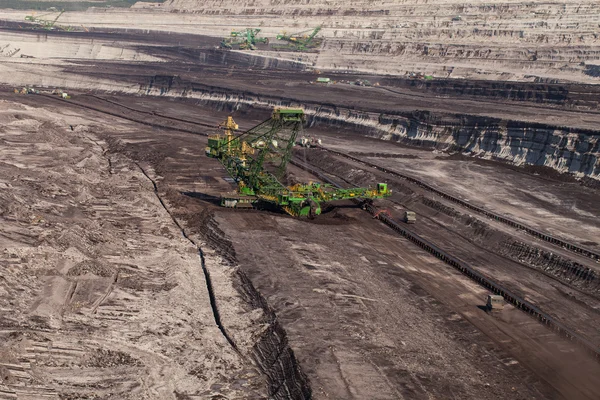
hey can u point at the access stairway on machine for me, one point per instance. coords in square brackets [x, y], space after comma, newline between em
[246, 154]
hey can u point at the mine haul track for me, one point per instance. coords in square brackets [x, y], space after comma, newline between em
[585, 275]
[458, 264]
[142, 118]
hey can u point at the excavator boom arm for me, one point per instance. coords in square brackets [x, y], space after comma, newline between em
[245, 156]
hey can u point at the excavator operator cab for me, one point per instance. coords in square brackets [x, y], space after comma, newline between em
[382, 188]
[284, 199]
[289, 114]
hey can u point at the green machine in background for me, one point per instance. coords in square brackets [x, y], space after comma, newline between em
[301, 41]
[246, 39]
[248, 155]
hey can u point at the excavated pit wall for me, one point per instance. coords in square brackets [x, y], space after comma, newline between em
[563, 149]
[271, 351]
[475, 39]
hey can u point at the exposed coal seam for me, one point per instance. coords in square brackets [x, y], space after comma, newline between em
[261, 99]
[209, 286]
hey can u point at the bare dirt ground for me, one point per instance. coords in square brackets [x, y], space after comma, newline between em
[510, 191]
[122, 278]
[101, 295]
[356, 300]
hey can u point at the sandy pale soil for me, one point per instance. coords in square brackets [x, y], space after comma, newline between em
[100, 294]
[512, 40]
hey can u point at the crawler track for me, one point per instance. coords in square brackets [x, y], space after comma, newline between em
[468, 271]
[500, 218]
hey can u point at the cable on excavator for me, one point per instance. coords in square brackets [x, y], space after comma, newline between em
[250, 156]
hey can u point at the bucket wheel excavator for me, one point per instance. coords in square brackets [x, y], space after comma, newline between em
[257, 159]
[246, 39]
[301, 41]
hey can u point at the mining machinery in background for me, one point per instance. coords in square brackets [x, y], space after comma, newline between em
[245, 40]
[257, 159]
[309, 141]
[48, 24]
[301, 41]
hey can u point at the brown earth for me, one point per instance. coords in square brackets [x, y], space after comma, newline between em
[403, 319]
[123, 278]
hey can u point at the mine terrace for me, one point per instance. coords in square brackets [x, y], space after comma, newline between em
[300, 200]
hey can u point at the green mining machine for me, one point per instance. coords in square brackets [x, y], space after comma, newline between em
[250, 156]
[48, 24]
[246, 39]
[301, 41]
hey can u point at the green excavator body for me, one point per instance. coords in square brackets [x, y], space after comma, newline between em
[249, 157]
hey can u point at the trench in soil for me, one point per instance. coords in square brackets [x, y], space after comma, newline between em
[271, 352]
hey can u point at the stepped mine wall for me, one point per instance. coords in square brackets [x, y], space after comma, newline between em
[563, 149]
[576, 151]
[519, 143]
[538, 40]
[524, 41]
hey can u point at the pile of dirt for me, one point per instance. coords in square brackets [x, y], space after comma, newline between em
[104, 358]
[92, 267]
